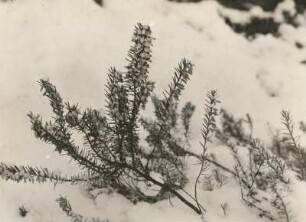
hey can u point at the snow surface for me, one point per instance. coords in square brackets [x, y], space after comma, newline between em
[74, 42]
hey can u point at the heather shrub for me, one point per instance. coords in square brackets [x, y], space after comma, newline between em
[113, 157]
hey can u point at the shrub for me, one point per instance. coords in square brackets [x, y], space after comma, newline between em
[260, 174]
[114, 157]
[111, 155]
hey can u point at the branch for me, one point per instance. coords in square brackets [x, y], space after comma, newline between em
[41, 175]
[209, 124]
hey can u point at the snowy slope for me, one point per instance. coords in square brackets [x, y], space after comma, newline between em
[74, 42]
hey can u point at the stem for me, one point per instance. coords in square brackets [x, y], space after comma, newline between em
[165, 186]
[196, 183]
[212, 161]
[197, 210]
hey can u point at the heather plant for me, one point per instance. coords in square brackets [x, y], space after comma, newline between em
[287, 146]
[112, 155]
[66, 207]
[261, 178]
[260, 174]
[297, 154]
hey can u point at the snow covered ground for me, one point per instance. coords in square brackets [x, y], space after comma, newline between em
[74, 42]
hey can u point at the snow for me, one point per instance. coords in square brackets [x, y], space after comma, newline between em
[74, 42]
